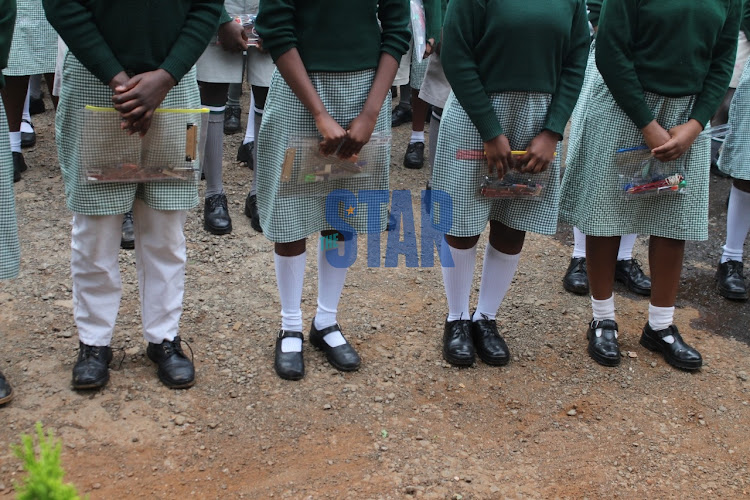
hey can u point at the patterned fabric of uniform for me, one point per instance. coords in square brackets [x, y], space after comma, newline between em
[579, 112]
[418, 69]
[522, 116]
[592, 197]
[735, 155]
[10, 252]
[81, 88]
[34, 48]
[290, 218]
[435, 87]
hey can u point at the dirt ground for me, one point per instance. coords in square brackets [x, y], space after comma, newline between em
[552, 424]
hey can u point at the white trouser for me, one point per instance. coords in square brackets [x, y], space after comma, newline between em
[160, 256]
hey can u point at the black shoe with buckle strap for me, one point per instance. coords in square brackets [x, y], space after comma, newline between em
[458, 348]
[344, 358]
[629, 273]
[603, 346]
[489, 345]
[28, 139]
[731, 281]
[175, 370]
[576, 279]
[91, 371]
[677, 353]
[6, 391]
[289, 365]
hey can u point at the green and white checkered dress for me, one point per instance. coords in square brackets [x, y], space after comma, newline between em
[522, 116]
[592, 198]
[81, 88]
[34, 47]
[418, 70]
[579, 112]
[290, 218]
[10, 252]
[735, 155]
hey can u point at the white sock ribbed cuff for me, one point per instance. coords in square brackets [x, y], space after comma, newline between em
[215, 109]
[738, 225]
[626, 247]
[15, 141]
[603, 309]
[579, 244]
[330, 284]
[457, 281]
[416, 137]
[498, 270]
[660, 318]
[290, 277]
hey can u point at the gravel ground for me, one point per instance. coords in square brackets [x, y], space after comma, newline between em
[550, 424]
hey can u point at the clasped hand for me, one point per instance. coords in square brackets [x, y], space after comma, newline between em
[344, 143]
[137, 98]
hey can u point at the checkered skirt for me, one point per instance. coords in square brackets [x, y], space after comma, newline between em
[418, 70]
[522, 116]
[34, 47]
[80, 88]
[735, 155]
[290, 218]
[592, 197]
[10, 252]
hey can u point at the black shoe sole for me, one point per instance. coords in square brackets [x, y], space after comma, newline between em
[601, 359]
[321, 345]
[8, 398]
[460, 362]
[739, 297]
[215, 231]
[493, 361]
[127, 244]
[414, 166]
[574, 289]
[28, 144]
[288, 377]
[652, 346]
[92, 385]
[172, 385]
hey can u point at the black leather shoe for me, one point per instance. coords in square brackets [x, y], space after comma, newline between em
[19, 166]
[343, 357]
[175, 370]
[216, 218]
[414, 157]
[576, 278]
[603, 347]
[232, 119]
[36, 106]
[245, 154]
[6, 391]
[401, 115]
[91, 371]
[629, 273]
[127, 240]
[678, 354]
[288, 365]
[490, 346]
[28, 139]
[458, 348]
[731, 281]
[251, 211]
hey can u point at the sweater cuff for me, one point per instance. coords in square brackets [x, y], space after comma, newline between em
[280, 50]
[391, 51]
[701, 114]
[176, 68]
[556, 124]
[224, 17]
[488, 126]
[106, 70]
[641, 116]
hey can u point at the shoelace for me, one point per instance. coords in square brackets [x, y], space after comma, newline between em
[736, 269]
[175, 347]
[94, 351]
[218, 201]
[129, 216]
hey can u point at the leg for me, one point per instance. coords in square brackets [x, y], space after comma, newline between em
[97, 290]
[660, 334]
[721, 117]
[576, 278]
[14, 95]
[160, 258]
[251, 208]
[216, 218]
[458, 348]
[232, 121]
[731, 281]
[28, 134]
[414, 157]
[50, 79]
[289, 260]
[601, 257]
[628, 271]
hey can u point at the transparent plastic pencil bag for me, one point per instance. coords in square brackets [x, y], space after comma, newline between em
[305, 171]
[172, 149]
[418, 28]
[514, 184]
[248, 24]
[640, 174]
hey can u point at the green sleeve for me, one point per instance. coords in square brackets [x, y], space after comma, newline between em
[394, 21]
[275, 26]
[614, 59]
[75, 24]
[746, 19]
[594, 8]
[571, 77]
[462, 29]
[433, 18]
[225, 17]
[201, 23]
[7, 23]
[722, 65]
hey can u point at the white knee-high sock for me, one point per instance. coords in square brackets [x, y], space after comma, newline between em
[579, 244]
[212, 158]
[330, 284]
[26, 127]
[660, 318]
[603, 309]
[626, 247]
[738, 225]
[290, 277]
[458, 279]
[250, 130]
[498, 270]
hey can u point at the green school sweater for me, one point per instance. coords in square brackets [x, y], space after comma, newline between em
[7, 23]
[669, 47]
[595, 7]
[135, 36]
[434, 15]
[335, 35]
[492, 46]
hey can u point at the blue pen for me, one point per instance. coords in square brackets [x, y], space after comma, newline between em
[634, 148]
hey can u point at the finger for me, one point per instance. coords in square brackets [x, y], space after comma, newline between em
[531, 165]
[347, 149]
[131, 95]
[667, 146]
[130, 84]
